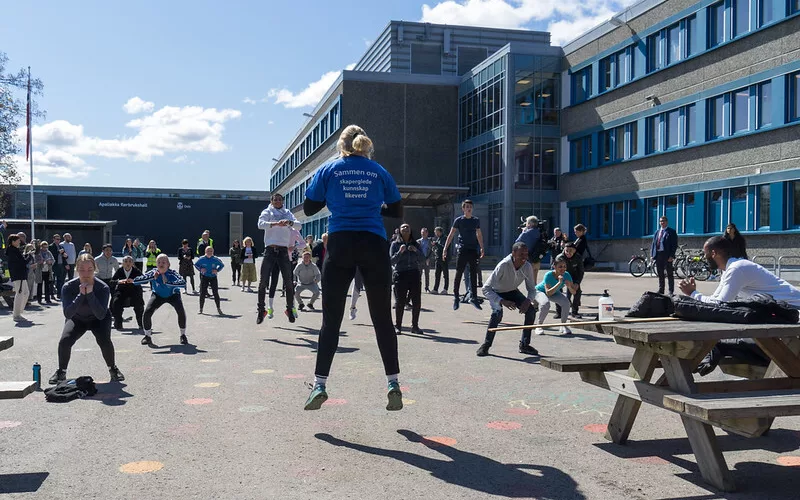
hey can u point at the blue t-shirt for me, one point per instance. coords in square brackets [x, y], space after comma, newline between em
[467, 232]
[550, 280]
[354, 188]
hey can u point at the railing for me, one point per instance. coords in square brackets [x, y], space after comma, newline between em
[774, 260]
[786, 257]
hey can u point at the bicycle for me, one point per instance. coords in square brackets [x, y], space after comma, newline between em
[697, 267]
[679, 263]
[640, 264]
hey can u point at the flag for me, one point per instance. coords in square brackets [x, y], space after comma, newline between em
[28, 120]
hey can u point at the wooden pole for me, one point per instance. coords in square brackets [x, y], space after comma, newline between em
[585, 323]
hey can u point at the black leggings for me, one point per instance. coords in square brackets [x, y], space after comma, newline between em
[407, 288]
[465, 257]
[207, 282]
[236, 269]
[370, 253]
[441, 272]
[157, 301]
[189, 278]
[276, 257]
[273, 281]
[75, 328]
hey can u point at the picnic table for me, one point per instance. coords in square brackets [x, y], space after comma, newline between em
[745, 407]
[13, 390]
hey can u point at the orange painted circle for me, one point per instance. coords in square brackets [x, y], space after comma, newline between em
[335, 402]
[141, 467]
[522, 411]
[438, 441]
[502, 425]
[598, 428]
[294, 375]
[260, 372]
[199, 401]
[789, 461]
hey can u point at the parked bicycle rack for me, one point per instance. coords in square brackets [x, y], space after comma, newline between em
[775, 262]
[781, 259]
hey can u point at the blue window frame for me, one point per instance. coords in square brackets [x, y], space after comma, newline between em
[651, 225]
[793, 205]
[673, 34]
[634, 217]
[605, 219]
[672, 44]
[740, 101]
[714, 213]
[652, 134]
[716, 127]
[794, 96]
[689, 222]
[582, 153]
[741, 17]
[762, 207]
[582, 85]
[618, 228]
[767, 13]
[673, 139]
[739, 207]
[794, 6]
[654, 59]
[616, 69]
[618, 143]
[670, 130]
[764, 105]
[671, 209]
[690, 120]
[716, 24]
[693, 40]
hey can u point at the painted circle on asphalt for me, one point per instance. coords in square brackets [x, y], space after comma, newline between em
[438, 441]
[303, 356]
[141, 467]
[409, 401]
[261, 372]
[598, 428]
[335, 402]
[405, 388]
[121, 350]
[199, 401]
[207, 360]
[207, 384]
[503, 425]
[522, 411]
[294, 375]
[8, 424]
[231, 341]
[789, 461]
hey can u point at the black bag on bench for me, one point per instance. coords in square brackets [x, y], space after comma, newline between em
[652, 305]
[762, 309]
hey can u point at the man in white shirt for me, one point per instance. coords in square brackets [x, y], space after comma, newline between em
[741, 279]
[502, 290]
[106, 265]
[71, 255]
[277, 223]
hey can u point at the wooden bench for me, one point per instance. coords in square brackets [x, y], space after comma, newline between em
[14, 390]
[615, 363]
[736, 405]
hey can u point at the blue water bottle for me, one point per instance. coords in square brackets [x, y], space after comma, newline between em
[37, 375]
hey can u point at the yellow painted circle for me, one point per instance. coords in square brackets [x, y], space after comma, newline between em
[141, 467]
[409, 401]
[207, 384]
[209, 360]
[261, 372]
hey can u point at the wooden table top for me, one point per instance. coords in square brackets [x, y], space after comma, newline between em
[677, 331]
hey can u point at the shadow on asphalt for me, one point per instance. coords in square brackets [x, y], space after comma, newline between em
[438, 338]
[476, 472]
[111, 393]
[313, 344]
[532, 360]
[304, 330]
[27, 482]
[188, 349]
[755, 480]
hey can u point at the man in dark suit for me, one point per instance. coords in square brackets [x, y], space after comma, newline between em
[665, 243]
[126, 294]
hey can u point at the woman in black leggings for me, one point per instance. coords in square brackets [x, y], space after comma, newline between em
[358, 192]
[85, 302]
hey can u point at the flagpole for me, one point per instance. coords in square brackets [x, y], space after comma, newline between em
[30, 151]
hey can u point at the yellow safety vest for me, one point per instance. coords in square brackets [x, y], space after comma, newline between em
[151, 257]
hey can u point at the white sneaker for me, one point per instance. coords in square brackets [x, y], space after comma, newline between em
[539, 331]
[564, 330]
[353, 312]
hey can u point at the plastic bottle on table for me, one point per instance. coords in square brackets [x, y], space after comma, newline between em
[605, 307]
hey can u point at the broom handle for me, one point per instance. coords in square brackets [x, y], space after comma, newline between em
[584, 323]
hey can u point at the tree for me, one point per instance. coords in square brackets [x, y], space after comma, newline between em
[13, 106]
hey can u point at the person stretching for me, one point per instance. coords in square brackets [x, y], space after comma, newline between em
[126, 294]
[470, 251]
[356, 240]
[308, 277]
[85, 305]
[276, 221]
[209, 266]
[549, 290]
[166, 285]
[502, 290]
[406, 256]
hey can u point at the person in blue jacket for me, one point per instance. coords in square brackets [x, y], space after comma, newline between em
[209, 266]
[662, 250]
[166, 285]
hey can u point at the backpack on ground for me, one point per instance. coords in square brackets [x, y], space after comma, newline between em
[68, 390]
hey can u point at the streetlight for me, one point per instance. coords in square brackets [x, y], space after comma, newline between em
[308, 115]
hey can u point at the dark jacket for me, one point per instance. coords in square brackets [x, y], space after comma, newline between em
[90, 307]
[408, 260]
[574, 266]
[185, 266]
[738, 246]
[242, 255]
[437, 245]
[556, 245]
[127, 291]
[670, 243]
[581, 247]
[236, 255]
[56, 251]
[17, 265]
[319, 252]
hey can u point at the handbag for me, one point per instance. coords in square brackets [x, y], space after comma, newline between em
[589, 262]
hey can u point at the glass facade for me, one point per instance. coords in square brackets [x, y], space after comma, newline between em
[481, 102]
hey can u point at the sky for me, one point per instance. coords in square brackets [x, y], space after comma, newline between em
[201, 94]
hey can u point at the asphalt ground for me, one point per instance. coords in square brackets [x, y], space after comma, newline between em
[223, 417]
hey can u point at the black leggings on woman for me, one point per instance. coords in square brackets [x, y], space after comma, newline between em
[370, 253]
[157, 301]
[75, 328]
[207, 282]
[407, 289]
[236, 269]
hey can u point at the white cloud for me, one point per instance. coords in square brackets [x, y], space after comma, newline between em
[182, 159]
[247, 100]
[135, 105]
[367, 42]
[270, 122]
[309, 96]
[566, 18]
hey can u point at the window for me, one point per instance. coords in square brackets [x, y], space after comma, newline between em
[692, 36]
[795, 210]
[716, 24]
[794, 96]
[714, 222]
[673, 135]
[739, 207]
[652, 215]
[653, 53]
[690, 118]
[764, 104]
[652, 134]
[582, 85]
[616, 69]
[763, 206]
[670, 130]
[674, 44]
[582, 153]
[606, 67]
[741, 110]
[605, 219]
[633, 138]
[426, 58]
[715, 107]
[766, 12]
[741, 17]
[794, 6]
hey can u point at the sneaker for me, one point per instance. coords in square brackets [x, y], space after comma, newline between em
[483, 350]
[427, 290]
[444, 291]
[564, 330]
[219, 311]
[417, 330]
[475, 303]
[147, 340]
[116, 375]
[395, 397]
[456, 304]
[20, 319]
[58, 376]
[353, 312]
[184, 340]
[435, 292]
[302, 307]
[316, 398]
[398, 330]
[576, 315]
[311, 307]
[294, 311]
[260, 317]
[527, 349]
[290, 314]
[200, 311]
[117, 326]
[539, 331]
